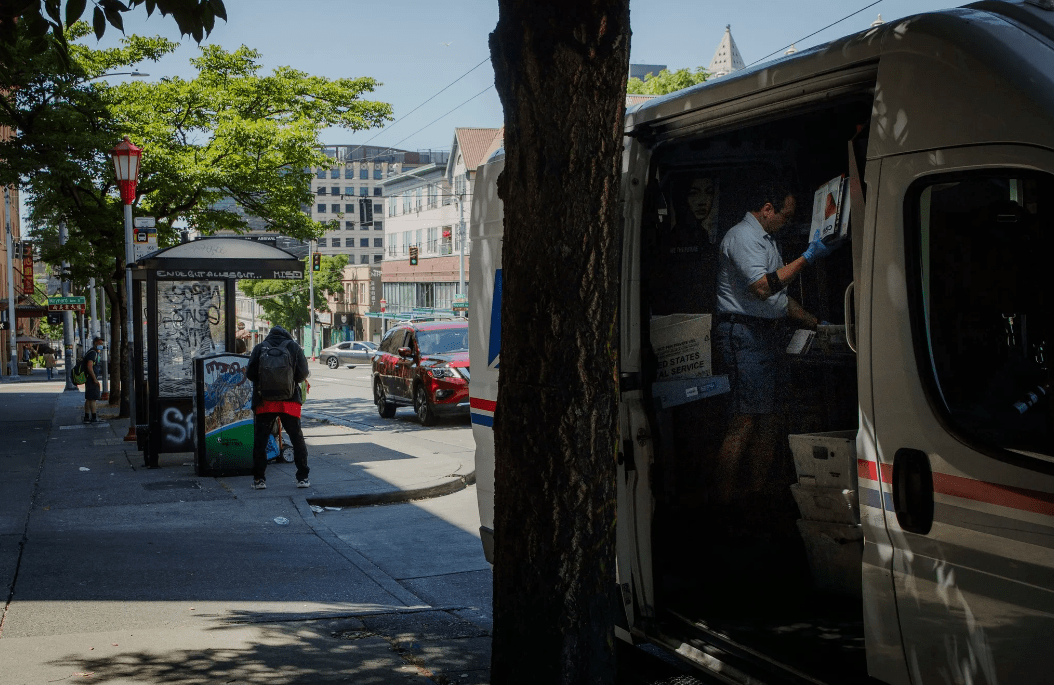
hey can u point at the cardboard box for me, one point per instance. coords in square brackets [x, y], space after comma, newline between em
[682, 345]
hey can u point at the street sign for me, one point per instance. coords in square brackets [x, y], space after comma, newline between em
[143, 222]
[75, 303]
[460, 306]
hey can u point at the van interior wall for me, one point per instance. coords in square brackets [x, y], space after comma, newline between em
[744, 558]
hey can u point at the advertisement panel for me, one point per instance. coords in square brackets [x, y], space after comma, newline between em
[223, 407]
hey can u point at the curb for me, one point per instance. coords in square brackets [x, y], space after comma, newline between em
[445, 486]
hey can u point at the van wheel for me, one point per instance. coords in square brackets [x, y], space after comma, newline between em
[332, 362]
[423, 408]
[385, 408]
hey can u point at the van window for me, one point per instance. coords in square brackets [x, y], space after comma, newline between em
[985, 242]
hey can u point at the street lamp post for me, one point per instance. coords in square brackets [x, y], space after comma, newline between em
[126, 158]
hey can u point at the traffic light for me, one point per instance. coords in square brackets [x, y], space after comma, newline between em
[366, 211]
[316, 261]
[413, 255]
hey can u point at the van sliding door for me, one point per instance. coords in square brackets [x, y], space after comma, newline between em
[961, 328]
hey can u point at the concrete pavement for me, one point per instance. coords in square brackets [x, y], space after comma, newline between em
[121, 574]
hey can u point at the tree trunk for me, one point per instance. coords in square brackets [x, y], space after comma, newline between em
[114, 360]
[122, 319]
[560, 71]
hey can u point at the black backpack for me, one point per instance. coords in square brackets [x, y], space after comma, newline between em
[275, 379]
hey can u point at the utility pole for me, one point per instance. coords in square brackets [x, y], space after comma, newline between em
[67, 316]
[461, 239]
[11, 321]
[311, 289]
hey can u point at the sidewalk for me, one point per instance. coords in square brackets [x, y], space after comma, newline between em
[121, 574]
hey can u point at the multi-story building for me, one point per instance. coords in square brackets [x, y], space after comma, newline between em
[342, 189]
[428, 208]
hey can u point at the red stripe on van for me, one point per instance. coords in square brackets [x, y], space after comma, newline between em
[868, 470]
[1001, 495]
[480, 403]
[1022, 499]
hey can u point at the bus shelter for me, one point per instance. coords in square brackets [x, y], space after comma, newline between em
[184, 298]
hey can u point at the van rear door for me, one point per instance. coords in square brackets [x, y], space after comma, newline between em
[961, 330]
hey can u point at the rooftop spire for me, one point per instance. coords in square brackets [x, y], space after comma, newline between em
[727, 58]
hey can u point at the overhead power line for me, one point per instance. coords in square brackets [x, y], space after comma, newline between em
[389, 126]
[785, 47]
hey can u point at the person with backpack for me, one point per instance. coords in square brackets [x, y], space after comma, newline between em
[277, 366]
[92, 387]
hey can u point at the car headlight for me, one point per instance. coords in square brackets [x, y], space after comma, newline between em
[441, 372]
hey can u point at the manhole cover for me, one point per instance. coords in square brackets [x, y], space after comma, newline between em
[173, 485]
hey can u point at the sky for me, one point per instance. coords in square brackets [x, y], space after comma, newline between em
[416, 49]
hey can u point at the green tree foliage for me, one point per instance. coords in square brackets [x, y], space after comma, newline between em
[287, 303]
[39, 20]
[229, 132]
[666, 82]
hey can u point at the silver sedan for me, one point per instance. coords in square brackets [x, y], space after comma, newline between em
[355, 352]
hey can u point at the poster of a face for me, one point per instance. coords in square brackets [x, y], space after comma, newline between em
[700, 205]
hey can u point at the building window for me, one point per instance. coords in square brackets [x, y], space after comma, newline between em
[321, 243]
[349, 190]
[377, 174]
[364, 259]
[349, 225]
[349, 173]
[349, 209]
[364, 174]
[391, 206]
[364, 191]
[334, 173]
[321, 173]
[433, 240]
[377, 192]
[378, 209]
[417, 238]
[417, 199]
[335, 190]
[378, 242]
[335, 208]
[321, 209]
[321, 190]
[378, 225]
[364, 242]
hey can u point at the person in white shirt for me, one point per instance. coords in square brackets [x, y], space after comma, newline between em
[752, 307]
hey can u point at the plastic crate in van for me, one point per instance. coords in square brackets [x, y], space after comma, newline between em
[827, 460]
[836, 552]
[833, 505]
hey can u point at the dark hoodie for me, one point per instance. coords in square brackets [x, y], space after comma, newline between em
[276, 337]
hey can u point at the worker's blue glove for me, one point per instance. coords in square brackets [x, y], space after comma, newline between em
[818, 249]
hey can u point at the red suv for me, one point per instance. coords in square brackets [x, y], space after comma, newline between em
[423, 365]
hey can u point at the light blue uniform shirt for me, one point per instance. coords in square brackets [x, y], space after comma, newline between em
[747, 253]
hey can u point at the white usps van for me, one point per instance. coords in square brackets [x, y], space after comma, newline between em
[895, 521]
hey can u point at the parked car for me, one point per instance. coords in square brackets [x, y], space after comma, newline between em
[423, 365]
[354, 352]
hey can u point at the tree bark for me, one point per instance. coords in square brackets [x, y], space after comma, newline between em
[123, 342]
[115, 361]
[560, 71]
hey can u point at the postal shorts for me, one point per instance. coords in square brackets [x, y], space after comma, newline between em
[750, 355]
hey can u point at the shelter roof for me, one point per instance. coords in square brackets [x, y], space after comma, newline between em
[217, 258]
